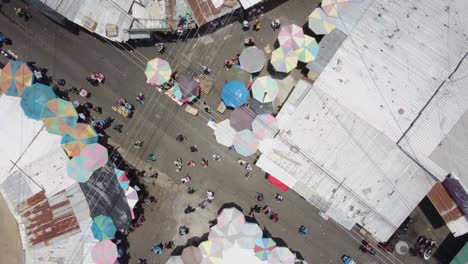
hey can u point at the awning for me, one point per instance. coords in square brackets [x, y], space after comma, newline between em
[277, 183]
[249, 3]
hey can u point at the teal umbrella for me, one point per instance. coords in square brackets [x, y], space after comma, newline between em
[34, 99]
[103, 228]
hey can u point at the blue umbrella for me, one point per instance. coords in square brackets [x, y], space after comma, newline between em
[34, 99]
[103, 228]
[234, 94]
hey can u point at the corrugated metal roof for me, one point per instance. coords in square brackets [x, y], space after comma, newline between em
[338, 160]
[395, 58]
[152, 16]
[329, 44]
[204, 11]
[439, 134]
[48, 219]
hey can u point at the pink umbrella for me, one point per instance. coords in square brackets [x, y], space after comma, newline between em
[245, 143]
[96, 156]
[264, 126]
[104, 252]
[291, 36]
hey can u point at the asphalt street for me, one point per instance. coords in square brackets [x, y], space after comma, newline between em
[74, 56]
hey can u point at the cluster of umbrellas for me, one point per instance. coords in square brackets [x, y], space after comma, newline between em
[295, 46]
[234, 240]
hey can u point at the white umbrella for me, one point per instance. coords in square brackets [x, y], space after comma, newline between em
[217, 236]
[281, 255]
[250, 232]
[224, 133]
[230, 221]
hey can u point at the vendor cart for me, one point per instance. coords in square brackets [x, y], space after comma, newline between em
[123, 110]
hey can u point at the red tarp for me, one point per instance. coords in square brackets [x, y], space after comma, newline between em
[277, 183]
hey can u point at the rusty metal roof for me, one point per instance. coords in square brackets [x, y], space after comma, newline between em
[48, 219]
[204, 11]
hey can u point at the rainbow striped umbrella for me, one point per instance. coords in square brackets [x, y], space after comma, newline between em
[34, 98]
[158, 71]
[122, 178]
[59, 116]
[318, 25]
[212, 252]
[330, 7]
[245, 143]
[91, 158]
[264, 126]
[104, 252]
[308, 52]
[15, 77]
[291, 36]
[284, 59]
[263, 246]
[78, 138]
[132, 197]
[265, 89]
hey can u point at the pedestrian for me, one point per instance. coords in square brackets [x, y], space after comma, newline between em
[206, 70]
[266, 209]
[97, 109]
[279, 197]
[141, 261]
[180, 137]
[206, 107]
[87, 105]
[194, 148]
[228, 64]
[303, 230]
[209, 196]
[256, 26]
[241, 162]
[216, 157]
[259, 197]
[247, 175]
[274, 217]
[151, 157]
[140, 98]
[183, 230]
[169, 244]
[178, 164]
[186, 179]
[118, 128]
[189, 209]
[158, 249]
[204, 163]
[191, 163]
[245, 25]
[257, 209]
[138, 144]
[248, 167]
[275, 24]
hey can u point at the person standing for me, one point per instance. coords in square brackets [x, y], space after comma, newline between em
[140, 98]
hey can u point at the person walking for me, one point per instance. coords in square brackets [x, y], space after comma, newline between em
[259, 197]
[279, 197]
[194, 148]
[303, 230]
[140, 98]
[138, 144]
[191, 163]
[180, 137]
[158, 249]
[204, 163]
[118, 128]
[216, 157]
[266, 209]
[178, 164]
[274, 217]
[256, 26]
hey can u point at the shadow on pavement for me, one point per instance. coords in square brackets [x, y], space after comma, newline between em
[431, 213]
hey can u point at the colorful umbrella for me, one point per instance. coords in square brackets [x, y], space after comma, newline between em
[158, 71]
[245, 143]
[34, 99]
[234, 94]
[263, 247]
[189, 87]
[284, 59]
[103, 228]
[241, 118]
[104, 252]
[59, 116]
[308, 52]
[91, 158]
[318, 25]
[281, 255]
[212, 252]
[291, 36]
[122, 178]
[78, 138]
[252, 59]
[329, 7]
[132, 197]
[15, 77]
[191, 255]
[250, 232]
[224, 133]
[265, 89]
[264, 126]
[230, 221]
